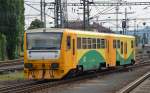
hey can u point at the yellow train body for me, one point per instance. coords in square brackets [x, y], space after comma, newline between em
[79, 50]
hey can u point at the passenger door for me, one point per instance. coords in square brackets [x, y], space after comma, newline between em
[125, 51]
[111, 52]
[122, 52]
[71, 50]
[68, 51]
[74, 48]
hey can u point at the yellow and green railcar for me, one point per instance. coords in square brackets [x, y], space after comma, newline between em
[53, 53]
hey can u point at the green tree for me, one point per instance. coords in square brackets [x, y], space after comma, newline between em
[12, 24]
[36, 24]
[2, 47]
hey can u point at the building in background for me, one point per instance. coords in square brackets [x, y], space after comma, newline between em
[93, 27]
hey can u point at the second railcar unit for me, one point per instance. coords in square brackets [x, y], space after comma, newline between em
[53, 53]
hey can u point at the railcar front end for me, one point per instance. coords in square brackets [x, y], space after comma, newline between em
[43, 55]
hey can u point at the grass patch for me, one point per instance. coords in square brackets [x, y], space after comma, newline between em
[12, 76]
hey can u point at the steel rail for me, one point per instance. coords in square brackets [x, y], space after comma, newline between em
[134, 84]
[11, 62]
[36, 87]
[22, 84]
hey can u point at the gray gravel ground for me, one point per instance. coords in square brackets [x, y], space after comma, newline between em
[103, 84]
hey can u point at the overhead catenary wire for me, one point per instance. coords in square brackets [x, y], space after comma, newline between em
[38, 10]
[95, 4]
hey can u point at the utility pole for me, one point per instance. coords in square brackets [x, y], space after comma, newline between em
[86, 14]
[86, 4]
[61, 16]
[126, 21]
[41, 5]
[64, 19]
[135, 27]
[117, 10]
[56, 9]
[42, 12]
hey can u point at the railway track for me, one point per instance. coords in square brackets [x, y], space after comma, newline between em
[11, 65]
[11, 62]
[33, 86]
[134, 84]
[142, 55]
[8, 89]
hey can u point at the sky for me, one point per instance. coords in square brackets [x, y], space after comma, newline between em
[75, 13]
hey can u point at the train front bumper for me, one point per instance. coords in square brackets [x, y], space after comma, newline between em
[44, 71]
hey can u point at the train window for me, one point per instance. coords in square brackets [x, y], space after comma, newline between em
[98, 43]
[105, 41]
[68, 42]
[118, 43]
[102, 43]
[73, 41]
[114, 43]
[44, 41]
[94, 43]
[126, 48]
[79, 43]
[89, 43]
[84, 43]
[106, 44]
[121, 47]
[132, 44]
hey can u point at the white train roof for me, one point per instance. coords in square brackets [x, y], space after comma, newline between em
[75, 31]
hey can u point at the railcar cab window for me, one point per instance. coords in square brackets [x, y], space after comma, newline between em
[79, 43]
[121, 47]
[43, 41]
[114, 43]
[132, 44]
[89, 43]
[68, 42]
[84, 43]
[94, 43]
[126, 48]
[98, 43]
[103, 43]
[118, 43]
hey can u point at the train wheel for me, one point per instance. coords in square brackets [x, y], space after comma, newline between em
[132, 62]
[99, 68]
[79, 69]
[71, 74]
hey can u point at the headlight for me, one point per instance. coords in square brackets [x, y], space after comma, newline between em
[54, 66]
[28, 65]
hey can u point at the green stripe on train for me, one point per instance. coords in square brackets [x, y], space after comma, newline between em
[121, 59]
[91, 60]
